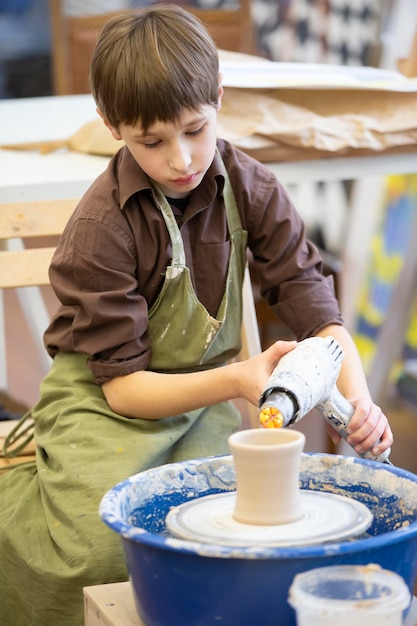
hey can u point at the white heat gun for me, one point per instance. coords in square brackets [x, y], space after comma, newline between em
[305, 378]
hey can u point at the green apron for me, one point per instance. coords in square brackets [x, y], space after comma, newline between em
[52, 541]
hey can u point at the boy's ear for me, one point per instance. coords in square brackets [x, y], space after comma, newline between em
[220, 91]
[114, 131]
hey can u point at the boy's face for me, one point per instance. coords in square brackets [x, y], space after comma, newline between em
[176, 156]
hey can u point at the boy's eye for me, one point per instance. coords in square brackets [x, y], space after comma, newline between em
[154, 144]
[196, 132]
[158, 142]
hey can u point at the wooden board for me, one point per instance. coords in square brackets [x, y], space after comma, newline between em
[110, 605]
[113, 605]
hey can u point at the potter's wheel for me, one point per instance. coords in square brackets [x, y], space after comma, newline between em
[327, 517]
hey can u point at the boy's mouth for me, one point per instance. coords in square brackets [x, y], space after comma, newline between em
[185, 180]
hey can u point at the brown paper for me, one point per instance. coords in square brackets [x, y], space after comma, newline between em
[286, 125]
[94, 138]
[277, 124]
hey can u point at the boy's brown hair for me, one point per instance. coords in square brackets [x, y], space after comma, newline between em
[151, 64]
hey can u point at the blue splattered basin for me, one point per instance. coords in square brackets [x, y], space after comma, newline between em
[184, 583]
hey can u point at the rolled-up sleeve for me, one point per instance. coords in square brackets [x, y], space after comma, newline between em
[94, 276]
[289, 266]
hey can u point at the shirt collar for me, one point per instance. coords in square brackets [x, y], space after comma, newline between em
[131, 178]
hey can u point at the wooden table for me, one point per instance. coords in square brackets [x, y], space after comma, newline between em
[113, 605]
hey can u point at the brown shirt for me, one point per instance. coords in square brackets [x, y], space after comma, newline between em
[110, 261]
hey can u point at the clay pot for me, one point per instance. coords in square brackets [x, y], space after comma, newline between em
[267, 464]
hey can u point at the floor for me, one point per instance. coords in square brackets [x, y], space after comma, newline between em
[25, 374]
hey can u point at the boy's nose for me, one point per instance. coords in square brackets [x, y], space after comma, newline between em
[180, 158]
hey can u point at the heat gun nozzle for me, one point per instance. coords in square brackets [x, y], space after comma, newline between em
[271, 417]
[277, 410]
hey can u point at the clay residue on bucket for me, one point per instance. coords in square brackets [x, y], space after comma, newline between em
[390, 498]
[168, 486]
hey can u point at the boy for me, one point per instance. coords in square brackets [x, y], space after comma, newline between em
[149, 273]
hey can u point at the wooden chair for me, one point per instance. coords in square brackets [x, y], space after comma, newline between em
[74, 38]
[28, 235]
[28, 266]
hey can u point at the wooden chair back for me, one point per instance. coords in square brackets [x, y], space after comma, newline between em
[74, 39]
[26, 247]
[29, 233]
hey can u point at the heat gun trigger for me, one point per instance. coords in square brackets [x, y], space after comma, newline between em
[334, 421]
[337, 411]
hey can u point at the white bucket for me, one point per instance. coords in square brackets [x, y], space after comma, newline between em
[347, 595]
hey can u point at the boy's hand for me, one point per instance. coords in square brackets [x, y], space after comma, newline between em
[368, 429]
[255, 372]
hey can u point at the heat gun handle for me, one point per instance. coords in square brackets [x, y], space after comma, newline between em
[338, 411]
